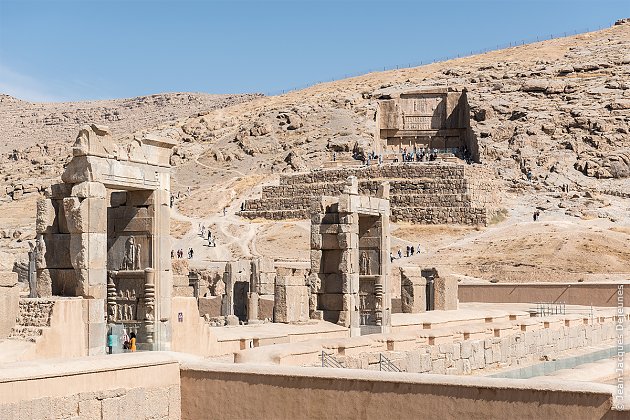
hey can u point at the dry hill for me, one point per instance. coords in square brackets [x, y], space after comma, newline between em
[560, 108]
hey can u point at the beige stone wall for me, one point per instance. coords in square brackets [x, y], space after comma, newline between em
[54, 328]
[595, 294]
[9, 298]
[470, 356]
[193, 335]
[136, 386]
[254, 392]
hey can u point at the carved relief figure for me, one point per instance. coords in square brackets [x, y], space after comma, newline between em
[364, 264]
[113, 313]
[136, 258]
[131, 259]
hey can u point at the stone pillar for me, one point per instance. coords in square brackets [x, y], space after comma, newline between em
[32, 271]
[159, 210]
[445, 293]
[86, 218]
[227, 306]
[149, 304]
[413, 290]
[252, 308]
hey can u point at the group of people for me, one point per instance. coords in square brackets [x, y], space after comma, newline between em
[410, 252]
[418, 155]
[180, 253]
[209, 237]
[367, 161]
[128, 340]
[536, 215]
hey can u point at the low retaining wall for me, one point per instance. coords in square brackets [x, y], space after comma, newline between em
[587, 294]
[248, 392]
[138, 386]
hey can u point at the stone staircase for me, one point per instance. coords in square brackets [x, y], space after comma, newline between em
[428, 193]
[33, 319]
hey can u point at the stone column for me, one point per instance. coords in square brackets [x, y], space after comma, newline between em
[159, 209]
[385, 262]
[86, 217]
[149, 305]
[252, 308]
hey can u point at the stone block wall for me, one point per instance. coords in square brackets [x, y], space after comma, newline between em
[291, 302]
[472, 356]
[144, 387]
[9, 301]
[428, 193]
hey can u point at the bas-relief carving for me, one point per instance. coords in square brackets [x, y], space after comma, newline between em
[123, 298]
[131, 260]
[364, 264]
[125, 253]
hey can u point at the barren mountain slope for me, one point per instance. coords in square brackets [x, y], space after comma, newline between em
[35, 138]
[560, 108]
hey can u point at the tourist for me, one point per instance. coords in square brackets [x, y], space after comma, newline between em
[172, 254]
[391, 257]
[132, 341]
[399, 253]
[334, 156]
[412, 250]
[190, 253]
[125, 339]
[529, 175]
[408, 251]
[224, 211]
[110, 343]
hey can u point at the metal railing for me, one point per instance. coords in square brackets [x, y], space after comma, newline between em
[560, 308]
[329, 361]
[386, 365]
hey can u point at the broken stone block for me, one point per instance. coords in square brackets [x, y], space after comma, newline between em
[46, 217]
[85, 215]
[412, 290]
[89, 190]
[88, 250]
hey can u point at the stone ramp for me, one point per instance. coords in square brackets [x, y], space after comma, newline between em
[424, 192]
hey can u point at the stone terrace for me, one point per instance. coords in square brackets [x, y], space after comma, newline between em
[428, 193]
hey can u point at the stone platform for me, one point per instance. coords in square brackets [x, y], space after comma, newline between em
[476, 339]
[420, 192]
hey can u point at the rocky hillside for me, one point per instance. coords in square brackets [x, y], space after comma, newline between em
[560, 108]
[35, 137]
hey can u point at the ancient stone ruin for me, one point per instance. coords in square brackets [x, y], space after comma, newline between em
[350, 258]
[436, 118]
[103, 234]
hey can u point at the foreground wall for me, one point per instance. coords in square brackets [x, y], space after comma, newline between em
[134, 386]
[9, 298]
[595, 294]
[242, 392]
